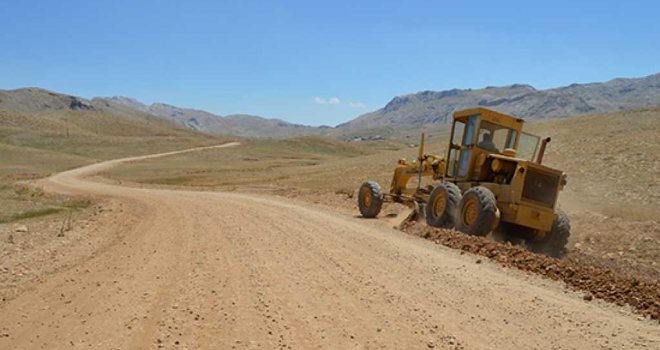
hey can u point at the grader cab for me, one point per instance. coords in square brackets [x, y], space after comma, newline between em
[491, 177]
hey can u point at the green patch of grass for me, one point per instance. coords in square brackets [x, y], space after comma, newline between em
[30, 214]
[77, 204]
[171, 180]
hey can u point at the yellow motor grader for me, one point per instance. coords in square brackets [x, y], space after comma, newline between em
[491, 177]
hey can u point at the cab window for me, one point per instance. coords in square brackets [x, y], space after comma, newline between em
[496, 138]
[528, 146]
[460, 150]
[468, 141]
[468, 136]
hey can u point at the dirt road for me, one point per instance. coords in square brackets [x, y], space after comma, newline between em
[227, 270]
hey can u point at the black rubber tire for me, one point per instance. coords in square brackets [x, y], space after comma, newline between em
[554, 243]
[487, 213]
[372, 208]
[452, 197]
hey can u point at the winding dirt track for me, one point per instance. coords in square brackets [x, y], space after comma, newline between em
[228, 270]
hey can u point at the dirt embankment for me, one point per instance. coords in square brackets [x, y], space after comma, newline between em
[641, 294]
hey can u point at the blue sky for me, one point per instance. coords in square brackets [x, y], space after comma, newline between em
[318, 62]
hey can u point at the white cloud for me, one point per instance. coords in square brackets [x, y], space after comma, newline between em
[357, 104]
[330, 101]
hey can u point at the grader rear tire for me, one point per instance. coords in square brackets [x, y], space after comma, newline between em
[554, 242]
[442, 204]
[370, 199]
[478, 212]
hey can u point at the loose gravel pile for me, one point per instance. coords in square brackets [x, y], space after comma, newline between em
[642, 295]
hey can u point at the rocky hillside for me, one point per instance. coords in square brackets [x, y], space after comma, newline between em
[237, 124]
[34, 100]
[520, 100]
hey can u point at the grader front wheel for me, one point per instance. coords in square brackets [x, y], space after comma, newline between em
[370, 199]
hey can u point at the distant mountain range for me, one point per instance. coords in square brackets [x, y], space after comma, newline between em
[237, 124]
[524, 101]
[37, 100]
[422, 108]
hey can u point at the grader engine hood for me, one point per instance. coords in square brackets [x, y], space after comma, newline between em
[532, 183]
[540, 184]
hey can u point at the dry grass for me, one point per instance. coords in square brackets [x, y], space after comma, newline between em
[294, 163]
[21, 202]
[37, 145]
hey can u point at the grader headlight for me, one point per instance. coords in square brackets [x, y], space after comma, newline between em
[496, 165]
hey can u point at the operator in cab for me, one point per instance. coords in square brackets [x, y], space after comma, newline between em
[487, 143]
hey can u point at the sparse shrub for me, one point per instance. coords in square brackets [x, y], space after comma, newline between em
[66, 225]
[21, 190]
[37, 192]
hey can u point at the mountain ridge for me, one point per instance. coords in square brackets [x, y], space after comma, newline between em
[520, 100]
[243, 125]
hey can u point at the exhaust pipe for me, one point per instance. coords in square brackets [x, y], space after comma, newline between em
[539, 158]
[420, 161]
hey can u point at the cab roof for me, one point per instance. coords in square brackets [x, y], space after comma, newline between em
[491, 116]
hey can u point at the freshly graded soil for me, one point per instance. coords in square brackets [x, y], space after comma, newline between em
[643, 295]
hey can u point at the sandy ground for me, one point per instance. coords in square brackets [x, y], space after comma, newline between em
[189, 269]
